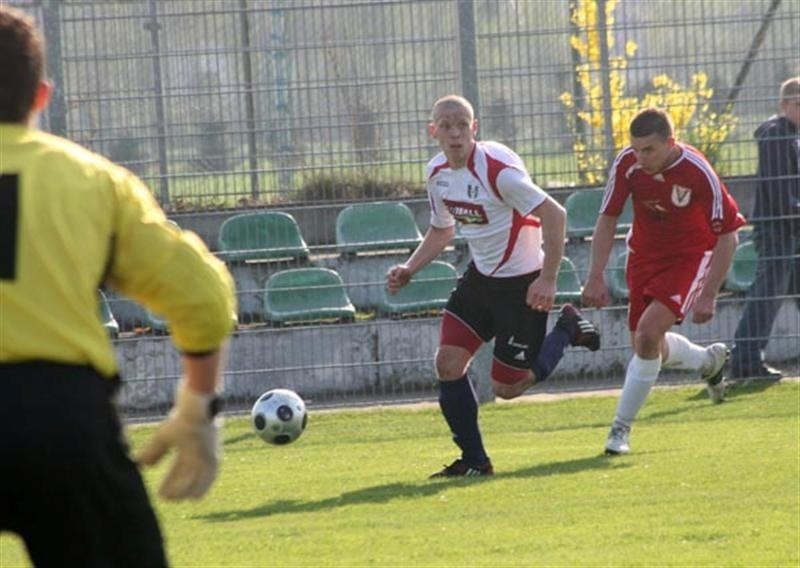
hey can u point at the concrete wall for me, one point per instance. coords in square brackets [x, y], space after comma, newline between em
[376, 359]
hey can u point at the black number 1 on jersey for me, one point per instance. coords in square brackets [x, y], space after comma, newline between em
[9, 216]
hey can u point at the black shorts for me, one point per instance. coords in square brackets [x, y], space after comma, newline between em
[496, 308]
[67, 485]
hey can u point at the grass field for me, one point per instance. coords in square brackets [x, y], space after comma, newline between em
[705, 485]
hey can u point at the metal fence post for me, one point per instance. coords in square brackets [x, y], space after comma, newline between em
[249, 102]
[57, 108]
[280, 77]
[469, 58]
[153, 27]
[605, 74]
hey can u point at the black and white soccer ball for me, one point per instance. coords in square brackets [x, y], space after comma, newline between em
[279, 416]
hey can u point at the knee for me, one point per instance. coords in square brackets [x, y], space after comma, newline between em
[449, 366]
[647, 340]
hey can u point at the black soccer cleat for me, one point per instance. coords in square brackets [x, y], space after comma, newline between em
[459, 468]
[582, 332]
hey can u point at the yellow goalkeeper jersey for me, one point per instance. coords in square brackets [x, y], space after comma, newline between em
[71, 220]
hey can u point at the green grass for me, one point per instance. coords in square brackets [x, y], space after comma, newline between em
[705, 485]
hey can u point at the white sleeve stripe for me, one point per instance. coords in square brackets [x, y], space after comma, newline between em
[697, 283]
[713, 181]
[612, 178]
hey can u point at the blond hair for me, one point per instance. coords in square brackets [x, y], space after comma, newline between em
[790, 89]
[451, 101]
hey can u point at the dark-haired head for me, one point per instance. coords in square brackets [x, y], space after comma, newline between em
[22, 70]
[652, 121]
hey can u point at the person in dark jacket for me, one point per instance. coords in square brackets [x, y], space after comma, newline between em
[776, 232]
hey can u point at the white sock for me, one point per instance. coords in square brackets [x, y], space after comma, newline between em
[683, 354]
[639, 379]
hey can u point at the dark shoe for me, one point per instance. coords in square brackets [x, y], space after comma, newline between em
[582, 332]
[459, 468]
[761, 372]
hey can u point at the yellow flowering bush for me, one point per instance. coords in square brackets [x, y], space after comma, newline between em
[689, 106]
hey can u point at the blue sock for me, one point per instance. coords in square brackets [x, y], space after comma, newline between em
[551, 353]
[460, 408]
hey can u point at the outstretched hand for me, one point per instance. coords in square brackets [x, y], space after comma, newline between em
[595, 293]
[703, 309]
[397, 277]
[191, 431]
[541, 294]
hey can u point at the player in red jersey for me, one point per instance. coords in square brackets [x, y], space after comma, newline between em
[679, 250]
[515, 233]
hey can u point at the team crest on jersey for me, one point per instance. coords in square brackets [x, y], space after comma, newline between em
[467, 213]
[472, 191]
[681, 196]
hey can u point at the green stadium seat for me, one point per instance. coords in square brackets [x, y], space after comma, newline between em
[428, 290]
[156, 324]
[743, 268]
[583, 207]
[106, 316]
[568, 286]
[376, 226]
[306, 294]
[617, 284]
[271, 235]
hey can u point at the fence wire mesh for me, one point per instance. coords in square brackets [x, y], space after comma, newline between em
[307, 107]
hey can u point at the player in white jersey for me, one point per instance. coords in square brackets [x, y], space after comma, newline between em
[516, 234]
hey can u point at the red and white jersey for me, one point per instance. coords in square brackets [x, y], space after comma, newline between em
[682, 209]
[491, 198]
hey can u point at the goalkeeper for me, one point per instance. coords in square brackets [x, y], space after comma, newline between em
[70, 221]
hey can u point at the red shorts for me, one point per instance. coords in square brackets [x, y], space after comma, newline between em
[675, 282]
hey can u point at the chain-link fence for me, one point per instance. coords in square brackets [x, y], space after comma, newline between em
[305, 107]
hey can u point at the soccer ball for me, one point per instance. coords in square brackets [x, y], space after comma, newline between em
[279, 416]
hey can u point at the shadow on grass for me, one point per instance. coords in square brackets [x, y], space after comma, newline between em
[392, 491]
[741, 388]
[744, 388]
[229, 441]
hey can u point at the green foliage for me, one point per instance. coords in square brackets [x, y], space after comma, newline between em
[704, 485]
[344, 187]
[598, 113]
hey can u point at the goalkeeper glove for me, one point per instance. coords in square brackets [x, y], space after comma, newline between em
[189, 429]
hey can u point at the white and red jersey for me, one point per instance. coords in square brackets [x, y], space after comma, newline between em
[491, 198]
[682, 209]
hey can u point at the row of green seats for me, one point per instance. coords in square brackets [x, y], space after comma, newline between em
[364, 227]
[315, 294]
[319, 294]
[275, 235]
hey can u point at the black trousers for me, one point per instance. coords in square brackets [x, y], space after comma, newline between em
[67, 485]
